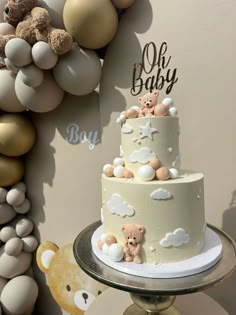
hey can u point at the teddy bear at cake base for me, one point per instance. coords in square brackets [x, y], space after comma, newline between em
[70, 287]
[134, 235]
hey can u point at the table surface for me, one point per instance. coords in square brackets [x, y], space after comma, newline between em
[118, 301]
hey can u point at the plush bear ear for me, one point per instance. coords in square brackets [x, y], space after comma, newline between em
[45, 252]
[123, 228]
[140, 99]
[156, 93]
[141, 228]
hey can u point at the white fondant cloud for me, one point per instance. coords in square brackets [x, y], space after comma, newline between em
[118, 206]
[161, 194]
[178, 238]
[143, 156]
[126, 129]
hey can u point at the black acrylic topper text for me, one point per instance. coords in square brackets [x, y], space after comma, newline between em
[153, 72]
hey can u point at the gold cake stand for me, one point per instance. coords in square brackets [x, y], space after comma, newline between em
[153, 296]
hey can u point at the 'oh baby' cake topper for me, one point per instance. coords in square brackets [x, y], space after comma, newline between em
[154, 71]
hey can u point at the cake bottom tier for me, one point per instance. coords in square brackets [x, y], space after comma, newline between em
[171, 213]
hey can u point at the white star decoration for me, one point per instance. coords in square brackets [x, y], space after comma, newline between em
[147, 131]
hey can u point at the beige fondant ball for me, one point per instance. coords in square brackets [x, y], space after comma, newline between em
[92, 23]
[12, 266]
[30, 243]
[19, 295]
[2, 8]
[18, 51]
[7, 29]
[17, 134]
[79, 71]
[110, 239]
[31, 75]
[109, 171]
[131, 113]
[15, 197]
[7, 213]
[43, 98]
[128, 174]
[161, 110]
[155, 163]
[122, 4]
[11, 170]
[100, 244]
[55, 9]
[14, 246]
[43, 56]
[8, 99]
[24, 227]
[163, 173]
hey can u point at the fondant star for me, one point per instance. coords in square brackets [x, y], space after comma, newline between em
[147, 131]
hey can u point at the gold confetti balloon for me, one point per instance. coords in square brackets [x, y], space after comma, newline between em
[11, 170]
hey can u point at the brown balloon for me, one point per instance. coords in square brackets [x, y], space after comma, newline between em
[11, 170]
[92, 23]
[17, 134]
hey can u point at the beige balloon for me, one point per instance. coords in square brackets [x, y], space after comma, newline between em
[92, 23]
[41, 99]
[11, 170]
[8, 99]
[17, 134]
[123, 4]
[79, 71]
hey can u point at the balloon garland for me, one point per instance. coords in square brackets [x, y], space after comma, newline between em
[47, 48]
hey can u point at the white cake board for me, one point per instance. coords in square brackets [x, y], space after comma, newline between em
[206, 259]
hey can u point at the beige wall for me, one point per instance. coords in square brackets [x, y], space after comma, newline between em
[64, 178]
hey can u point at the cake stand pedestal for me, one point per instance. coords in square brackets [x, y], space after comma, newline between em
[153, 296]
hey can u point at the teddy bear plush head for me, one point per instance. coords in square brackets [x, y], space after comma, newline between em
[133, 233]
[15, 10]
[70, 287]
[149, 99]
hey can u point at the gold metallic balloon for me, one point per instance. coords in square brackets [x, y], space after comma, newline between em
[92, 23]
[11, 170]
[123, 4]
[17, 134]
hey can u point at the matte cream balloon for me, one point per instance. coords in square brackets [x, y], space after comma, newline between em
[18, 51]
[11, 170]
[19, 295]
[17, 134]
[31, 75]
[79, 71]
[7, 29]
[92, 23]
[15, 197]
[7, 213]
[8, 99]
[43, 56]
[55, 9]
[43, 98]
[122, 4]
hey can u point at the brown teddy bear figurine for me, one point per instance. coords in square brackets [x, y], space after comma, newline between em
[36, 27]
[134, 235]
[15, 10]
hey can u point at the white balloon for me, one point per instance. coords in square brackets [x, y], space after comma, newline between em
[168, 102]
[55, 9]
[146, 172]
[8, 99]
[174, 173]
[43, 98]
[79, 71]
[105, 248]
[173, 111]
[119, 161]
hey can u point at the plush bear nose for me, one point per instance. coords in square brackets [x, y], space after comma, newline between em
[85, 297]
[6, 10]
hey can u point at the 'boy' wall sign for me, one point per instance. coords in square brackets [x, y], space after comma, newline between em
[153, 72]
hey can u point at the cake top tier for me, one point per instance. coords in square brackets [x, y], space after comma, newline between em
[149, 141]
